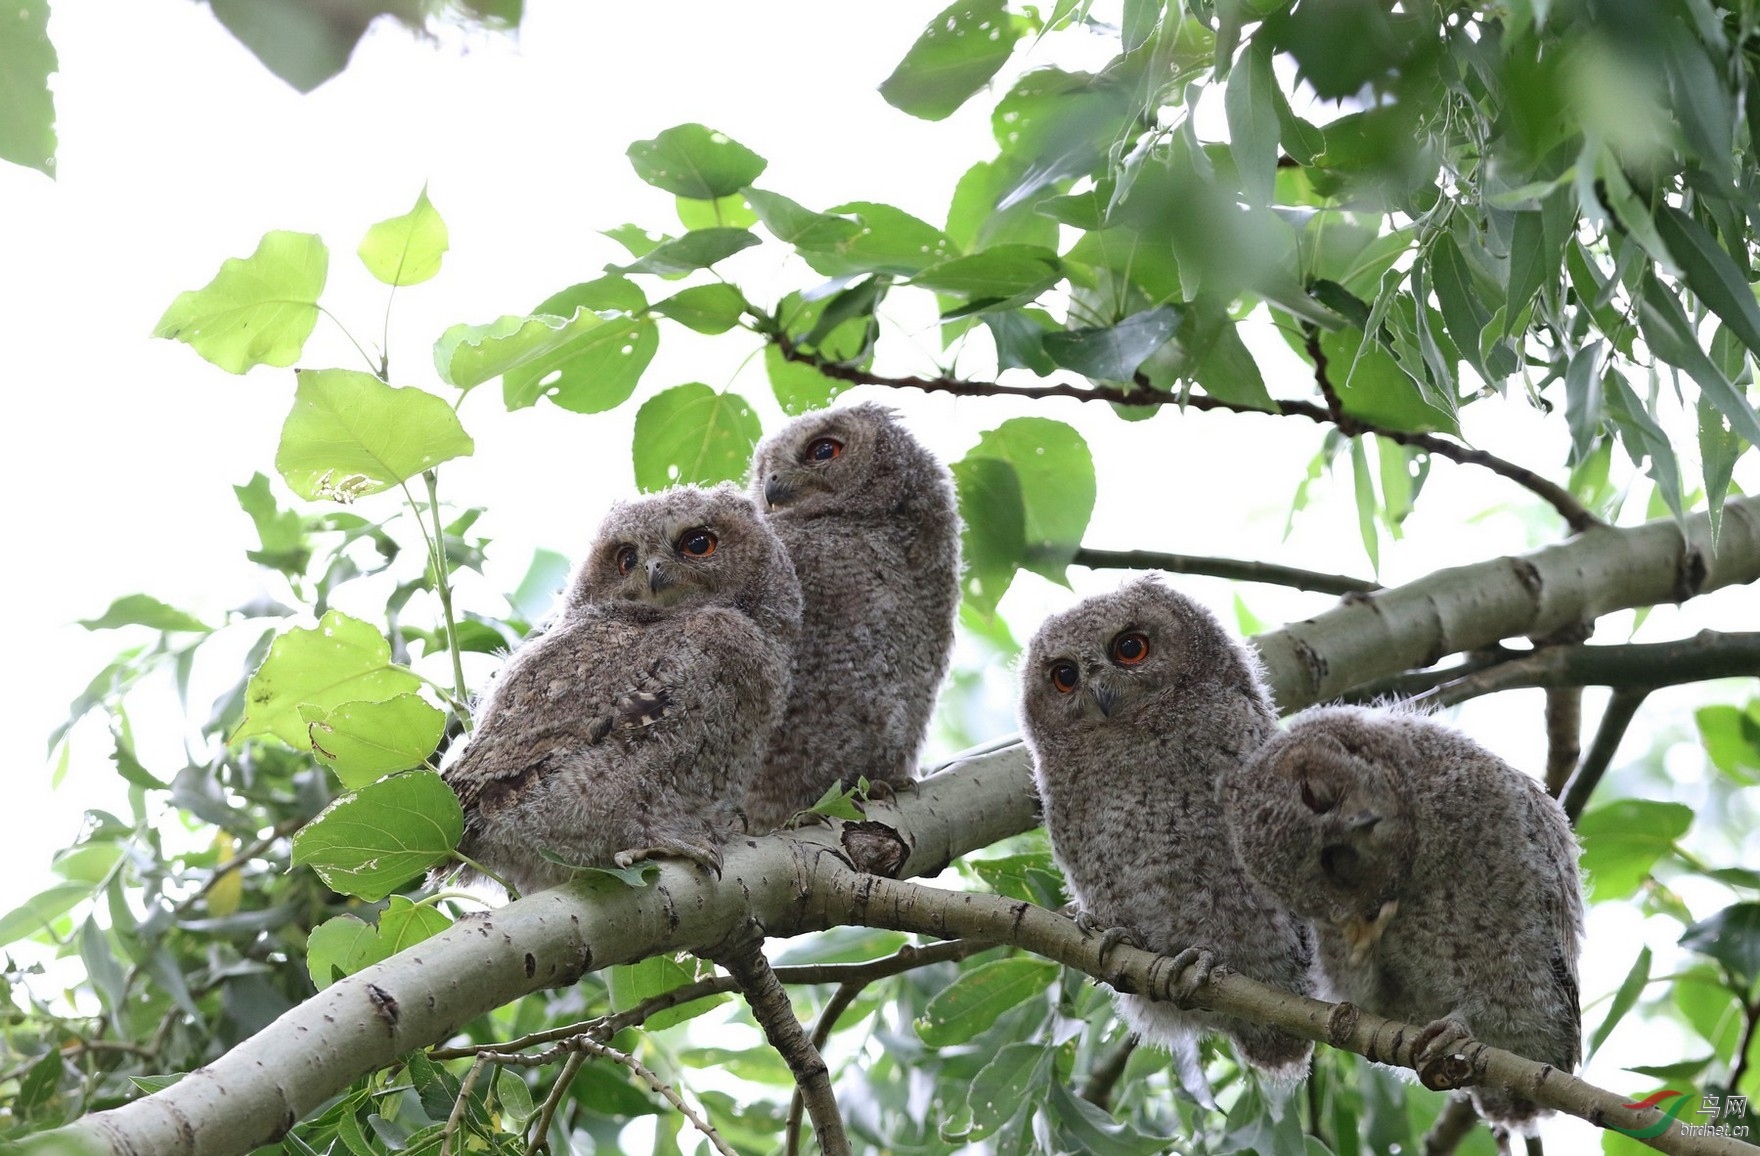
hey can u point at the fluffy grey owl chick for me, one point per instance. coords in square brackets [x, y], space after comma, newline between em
[869, 518]
[1136, 705]
[633, 726]
[1441, 881]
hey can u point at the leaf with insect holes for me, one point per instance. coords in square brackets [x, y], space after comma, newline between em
[341, 660]
[371, 841]
[349, 435]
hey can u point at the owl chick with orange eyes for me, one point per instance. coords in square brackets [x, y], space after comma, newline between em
[870, 520]
[632, 727]
[1135, 706]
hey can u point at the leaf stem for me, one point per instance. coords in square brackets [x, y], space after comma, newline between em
[443, 588]
[378, 368]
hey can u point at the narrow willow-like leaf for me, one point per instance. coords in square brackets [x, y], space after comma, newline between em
[958, 52]
[144, 610]
[371, 841]
[697, 249]
[340, 660]
[349, 435]
[1624, 1000]
[1644, 438]
[692, 161]
[1251, 105]
[406, 250]
[258, 310]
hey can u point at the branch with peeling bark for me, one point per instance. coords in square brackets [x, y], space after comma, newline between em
[805, 881]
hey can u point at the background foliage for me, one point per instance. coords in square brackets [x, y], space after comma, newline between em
[1519, 204]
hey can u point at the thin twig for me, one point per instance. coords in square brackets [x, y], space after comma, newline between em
[1236, 569]
[743, 957]
[906, 958]
[547, 1112]
[593, 1047]
[1708, 654]
[1614, 721]
[1106, 1074]
[1451, 1127]
[1749, 1035]
[1141, 393]
[1413, 683]
[1564, 725]
[461, 1104]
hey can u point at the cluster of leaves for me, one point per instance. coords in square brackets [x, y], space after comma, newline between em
[1471, 219]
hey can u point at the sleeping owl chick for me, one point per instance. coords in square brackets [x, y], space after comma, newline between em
[1442, 882]
[1135, 705]
[870, 521]
[633, 726]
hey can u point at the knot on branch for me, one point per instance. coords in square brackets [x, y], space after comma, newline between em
[1341, 1024]
[875, 848]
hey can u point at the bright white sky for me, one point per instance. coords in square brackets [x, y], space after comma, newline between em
[178, 150]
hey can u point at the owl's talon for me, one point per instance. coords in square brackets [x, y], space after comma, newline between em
[1436, 1053]
[702, 855]
[806, 819]
[1188, 971]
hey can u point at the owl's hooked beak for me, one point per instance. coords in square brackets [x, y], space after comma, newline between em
[777, 491]
[658, 578]
[1105, 697]
[1363, 821]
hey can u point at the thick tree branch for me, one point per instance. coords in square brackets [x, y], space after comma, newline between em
[1141, 393]
[1235, 568]
[802, 881]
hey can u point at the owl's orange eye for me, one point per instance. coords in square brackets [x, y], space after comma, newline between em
[1130, 649]
[1064, 677]
[822, 450]
[698, 543]
[626, 560]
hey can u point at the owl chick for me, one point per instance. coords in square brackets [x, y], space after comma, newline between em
[870, 521]
[1442, 883]
[633, 726]
[1136, 705]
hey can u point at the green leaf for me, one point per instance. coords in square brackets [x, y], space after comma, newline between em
[258, 310]
[1671, 337]
[1530, 263]
[692, 161]
[1251, 104]
[1732, 938]
[350, 435]
[634, 982]
[1624, 999]
[341, 660]
[993, 537]
[41, 910]
[1376, 389]
[697, 249]
[1087, 1128]
[282, 532]
[371, 841]
[406, 250]
[1582, 401]
[1622, 841]
[341, 946]
[1055, 473]
[708, 309]
[405, 923]
[801, 227]
[583, 362]
[691, 434]
[1010, 1082]
[1711, 275]
[1020, 339]
[956, 55]
[1001, 277]
[27, 109]
[1367, 507]
[1731, 737]
[887, 240]
[1719, 448]
[729, 210]
[361, 741]
[1644, 438]
[142, 610]
[1228, 372]
[968, 1006]
[1113, 352]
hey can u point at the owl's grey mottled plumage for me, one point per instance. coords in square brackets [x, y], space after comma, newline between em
[1442, 882]
[634, 724]
[869, 518]
[1135, 705]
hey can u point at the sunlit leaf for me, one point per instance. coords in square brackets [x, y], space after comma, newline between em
[697, 249]
[1731, 736]
[258, 310]
[993, 542]
[692, 434]
[27, 114]
[143, 610]
[361, 741]
[406, 250]
[714, 308]
[341, 660]
[1622, 841]
[1055, 474]
[973, 1001]
[351, 435]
